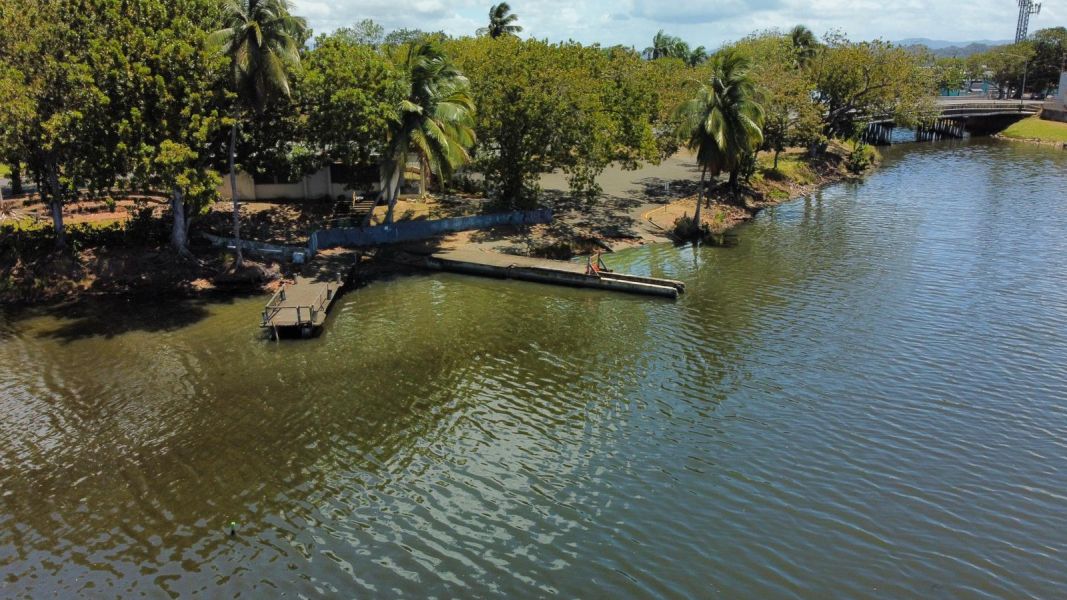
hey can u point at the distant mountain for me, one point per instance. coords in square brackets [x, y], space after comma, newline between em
[942, 44]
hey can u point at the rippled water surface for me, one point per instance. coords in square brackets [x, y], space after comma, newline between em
[865, 397]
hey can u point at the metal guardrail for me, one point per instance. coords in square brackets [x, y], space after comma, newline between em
[990, 106]
[982, 108]
[318, 305]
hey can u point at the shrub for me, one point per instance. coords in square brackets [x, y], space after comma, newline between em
[685, 228]
[861, 157]
[559, 250]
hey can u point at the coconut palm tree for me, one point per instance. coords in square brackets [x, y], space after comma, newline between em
[435, 119]
[696, 56]
[805, 44]
[663, 45]
[262, 40]
[722, 122]
[500, 22]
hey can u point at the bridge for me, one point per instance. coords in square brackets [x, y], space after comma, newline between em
[956, 116]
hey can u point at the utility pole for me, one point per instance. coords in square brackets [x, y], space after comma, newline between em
[1026, 8]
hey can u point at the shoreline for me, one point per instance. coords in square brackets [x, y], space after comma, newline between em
[1036, 131]
[636, 220]
[1032, 141]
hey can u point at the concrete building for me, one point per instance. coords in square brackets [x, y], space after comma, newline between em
[330, 182]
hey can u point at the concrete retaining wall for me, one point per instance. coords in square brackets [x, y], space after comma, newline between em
[246, 187]
[406, 231]
[261, 248]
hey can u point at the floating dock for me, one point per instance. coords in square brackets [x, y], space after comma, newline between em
[557, 272]
[300, 306]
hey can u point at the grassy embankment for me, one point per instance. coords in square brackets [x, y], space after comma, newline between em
[1036, 129]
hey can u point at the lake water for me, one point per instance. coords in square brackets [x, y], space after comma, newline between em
[865, 397]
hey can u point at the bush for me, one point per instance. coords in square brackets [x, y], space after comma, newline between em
[559, 250]
[861, 158]
[685, 228]
[747, 167]
[467, 184]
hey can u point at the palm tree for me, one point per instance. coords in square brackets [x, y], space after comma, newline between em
[262, 40]
[663, 45]
[805, 44]
[697, 56]
[435, 119]
[722, 122]
[500, 22]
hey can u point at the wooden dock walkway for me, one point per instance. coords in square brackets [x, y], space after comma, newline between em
[302, 305]
[540, 270]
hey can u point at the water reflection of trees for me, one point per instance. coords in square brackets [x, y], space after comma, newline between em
[174, 437]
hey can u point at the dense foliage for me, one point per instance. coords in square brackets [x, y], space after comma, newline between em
[543, 107]
[1038, 59]
[114, 96]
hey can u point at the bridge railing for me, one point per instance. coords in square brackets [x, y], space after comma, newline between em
[1006, 105]
[961, 109]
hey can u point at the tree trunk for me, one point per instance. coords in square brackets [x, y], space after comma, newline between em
[236, 199]
[700, 199]
[423, 183]
[776, 153]
[179, 232]
[57, 222]
[734, 173]
[394, 190]
[16, 178]
[56, 204]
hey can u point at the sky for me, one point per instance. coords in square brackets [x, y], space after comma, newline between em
[709, 23]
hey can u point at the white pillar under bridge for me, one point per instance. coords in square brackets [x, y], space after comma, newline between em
[1026, 8]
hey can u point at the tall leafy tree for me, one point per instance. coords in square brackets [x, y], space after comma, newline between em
[348, 94]
[364, 33]
[501, 22]
[856, 80]
[262, 40]
[46, 48]
[791, 116]
[163, 120]
[722, 122]
[1050, 58]
[435, 119]
[544, 107]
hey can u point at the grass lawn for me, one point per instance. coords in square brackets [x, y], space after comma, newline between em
[791, 166]
[1035, 128]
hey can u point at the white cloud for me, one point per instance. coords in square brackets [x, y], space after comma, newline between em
[701, 22]
[697, 11]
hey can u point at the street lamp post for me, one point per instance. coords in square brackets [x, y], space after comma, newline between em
[1022, 92]
[1026, 70]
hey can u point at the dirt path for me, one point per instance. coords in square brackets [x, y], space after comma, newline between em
[619, 215]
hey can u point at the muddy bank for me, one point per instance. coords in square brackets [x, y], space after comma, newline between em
[55, 277]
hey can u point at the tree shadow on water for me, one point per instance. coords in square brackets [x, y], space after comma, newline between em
[113, 317]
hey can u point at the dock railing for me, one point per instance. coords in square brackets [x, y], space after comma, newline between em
[273, 309]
